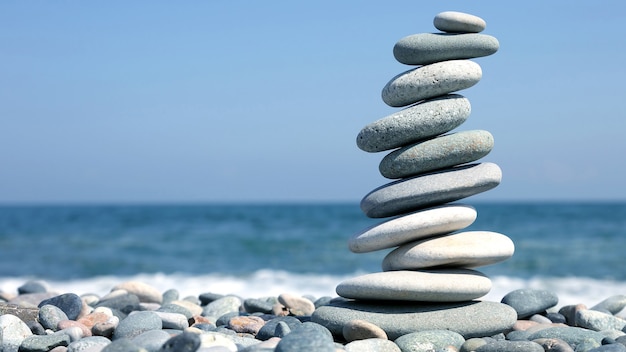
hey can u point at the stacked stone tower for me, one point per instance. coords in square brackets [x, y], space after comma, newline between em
[431, 269]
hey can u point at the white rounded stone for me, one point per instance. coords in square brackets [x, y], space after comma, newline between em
[414, 226]
[444, 285]
[459, 22]
[464, 249]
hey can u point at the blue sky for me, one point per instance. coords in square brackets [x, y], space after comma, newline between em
[210, 101]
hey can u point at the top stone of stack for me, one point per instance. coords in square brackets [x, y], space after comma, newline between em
[459, 22]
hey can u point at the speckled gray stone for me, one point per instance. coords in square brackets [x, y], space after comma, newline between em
[613, 304]
[137, 323]
[12, 332]
[470, 319]
[530, 301]
[428, 48]
[574, 336]
[431, 81]
[430, 189]
[418, 122]
[88, 343]
[411, 227]
[429, 340]
[50, 316]
[442, 285]
[221, 306]
[511, 346]
[43, 343]
[372, 345]
[269, 329]
[459, 22]
[361, 330]
[70, 303]
[554, 345]
[437, 153]
[598, 321]
[462, 249]
[307, 337]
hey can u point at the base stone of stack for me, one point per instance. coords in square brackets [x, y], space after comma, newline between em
[441, 285]
[418, 84]
[470, 319]
[414, 226]
[430, 189]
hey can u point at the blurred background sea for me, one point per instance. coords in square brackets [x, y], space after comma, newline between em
[574, 249]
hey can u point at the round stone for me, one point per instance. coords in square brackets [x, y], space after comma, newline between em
[598, 321]
[221, 306]
[89, 343]
[464, 249]
[443, 285]
[430, 189]
[414, 226]
[13, 331]
[143, 291]
[297, 305]
[361, 330]
[430, 340]
[307, 337]
[137, 323]
[459, 22]
[470, 318]
[418, 122]
[372, 345]
[44, 342]
[511, 346]
[50, 316]
[431, 81]
[573, 336]
[530, 301]
[428, 48]
[613, 304]
[437, 153]
[70, 303]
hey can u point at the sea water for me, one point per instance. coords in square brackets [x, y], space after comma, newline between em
[255, 250]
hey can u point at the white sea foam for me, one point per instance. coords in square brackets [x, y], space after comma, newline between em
[571, 290]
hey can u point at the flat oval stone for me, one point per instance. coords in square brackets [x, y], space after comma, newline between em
[459, 22]
[361, 330]
[419, 122]
[530, 301]
[437, 153]
[430, 189]
[470, 318]
[430, 340]
[444, 285]
[372, 345]
[414, 226]
[511, 346]
[598, 321]
[143, 291]
[573, 336]
[464, 249]
[431, 81]
[428, 48]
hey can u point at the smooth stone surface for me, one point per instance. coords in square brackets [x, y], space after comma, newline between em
[297, 305]
[307, 337]
[470, 319]
[554, 345]
[125, 303]
[249, 324]
[573, 336]
[372, 345]
[437, 153]
[25, 313]
[431, 81]
[530, 301]
[143, 291]
[137, 323]
[70, 303]
[445, 285]
[429, 340]
[361, 330]
[459, 22]
[43, 343]
[511, 346]
[254, 305]
[598, 321]
[12, 332]
[88, 344]
[462, 249]
[185, 342]
[613, 304]
[421, 121]
[269, 329]
[173, 320]
[32, 286]
[221, 306]
[428, 48]
[414, 226]
[430, 189]
[50, 316]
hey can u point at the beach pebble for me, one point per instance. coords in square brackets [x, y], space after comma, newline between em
[282, 329]
[93, 318]
[70, 303]
[50, 316]
[66, 324]
[470, 318]
[136, 324]
[246, 324]
[143, 291]
[569, 312]
[26, 314]
[511, 346]
[30, 300]
[360, 330]
[120, 300]
[43, 343]
[173, 320]
[254, 305]
[93, 343]
[470, 345]
[443, 285]
[461, 249]
[430, 189]
[122, 345]
[609, 348]
[554, 345]
[176, 308]
[598, 321]
[193, 307]
[307, 337]
[269, 329]
[428, 48]
[431, 81]
[32, 286]
[414, 226]
[170, 295]
[221, 306]
[12, 332]
[297, 305]
[429, 340]
[208, 297]
[458, 22]
[215, 341]
[613, 304]
[421, 121]
[372, 345]
[530, 301]
[437, 153]
[185, 342]
[151, 340]
[106, 328]
[573, 336]
[35, 327]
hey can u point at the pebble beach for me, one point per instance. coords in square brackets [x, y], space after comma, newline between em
[136, 316]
